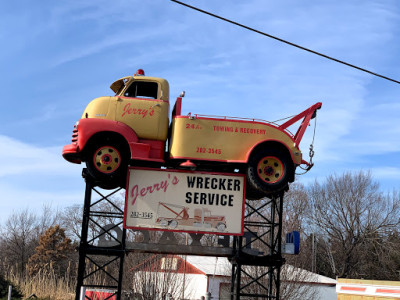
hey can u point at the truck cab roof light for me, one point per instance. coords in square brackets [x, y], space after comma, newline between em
[139, 72]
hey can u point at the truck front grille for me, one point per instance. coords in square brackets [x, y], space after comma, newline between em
[75, 134]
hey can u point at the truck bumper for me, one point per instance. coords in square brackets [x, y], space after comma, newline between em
[71, 153]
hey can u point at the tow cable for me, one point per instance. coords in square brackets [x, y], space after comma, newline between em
[311, 152]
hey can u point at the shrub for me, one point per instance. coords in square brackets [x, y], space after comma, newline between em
[4, 284]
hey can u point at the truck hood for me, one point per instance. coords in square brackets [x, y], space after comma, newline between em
[98, 108]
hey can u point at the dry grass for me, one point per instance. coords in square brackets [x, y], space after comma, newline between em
[45, 284]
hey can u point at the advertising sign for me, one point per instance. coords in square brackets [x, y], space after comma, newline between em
[187, 201]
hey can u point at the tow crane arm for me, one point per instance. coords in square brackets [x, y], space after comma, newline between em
[307, 115]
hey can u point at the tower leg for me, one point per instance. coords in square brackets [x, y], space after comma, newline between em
[100, 258]
[257, 275]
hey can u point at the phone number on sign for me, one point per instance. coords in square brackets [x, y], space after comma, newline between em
[141, 215]
[208, 150]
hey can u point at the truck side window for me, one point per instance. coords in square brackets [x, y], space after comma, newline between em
[142, 89]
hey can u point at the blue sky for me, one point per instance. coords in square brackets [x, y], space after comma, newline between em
[58, 55]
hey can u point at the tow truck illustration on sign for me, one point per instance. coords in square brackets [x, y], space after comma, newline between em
[133, 128]
[171, 215]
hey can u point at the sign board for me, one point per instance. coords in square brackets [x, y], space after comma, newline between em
[361, 289]
[292, 245]
[185, 201]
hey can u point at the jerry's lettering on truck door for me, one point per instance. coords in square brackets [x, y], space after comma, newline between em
[137, 111]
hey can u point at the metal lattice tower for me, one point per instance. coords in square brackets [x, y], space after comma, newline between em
[257, 275]
[100, 267]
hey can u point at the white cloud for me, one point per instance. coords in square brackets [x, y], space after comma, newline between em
[392, 173]
[15, 196]
[20, 158]
[31, 176]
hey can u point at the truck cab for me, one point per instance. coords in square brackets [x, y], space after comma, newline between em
[140, 102]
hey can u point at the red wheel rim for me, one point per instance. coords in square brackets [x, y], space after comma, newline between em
[107, 159]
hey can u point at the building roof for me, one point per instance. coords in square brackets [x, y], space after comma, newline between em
[220, 266]
[292, 273]
[216, 266]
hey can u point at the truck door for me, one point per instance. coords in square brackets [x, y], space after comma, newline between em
[141, 109]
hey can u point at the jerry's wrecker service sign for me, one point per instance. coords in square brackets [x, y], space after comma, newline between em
[185, 201]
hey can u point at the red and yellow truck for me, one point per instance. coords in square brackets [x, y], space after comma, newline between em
[133, 127]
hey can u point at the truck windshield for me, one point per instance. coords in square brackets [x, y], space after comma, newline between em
[142, 89]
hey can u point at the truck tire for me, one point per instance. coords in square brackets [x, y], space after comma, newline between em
[173, 224]
[269, 172]
[221, 227]
[107, 162]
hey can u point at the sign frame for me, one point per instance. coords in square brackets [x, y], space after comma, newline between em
[179, 171]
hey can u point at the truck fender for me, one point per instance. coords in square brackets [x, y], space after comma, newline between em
[88, 128]
[273, 143]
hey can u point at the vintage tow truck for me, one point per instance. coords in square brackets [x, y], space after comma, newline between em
[169, 216]
[133, 128]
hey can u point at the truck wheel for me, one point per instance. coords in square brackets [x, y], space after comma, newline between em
[221, 227]
[107, 163]
[173, 224]
[162, 222]
[269, 171]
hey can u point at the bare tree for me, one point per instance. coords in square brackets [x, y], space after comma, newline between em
[297, 283]
[71, 220]
[159, 276]
[19, 238]
[47, 218]
[293, 277]
[71, 217]
[294, 274]
[351, 215]
[20, 235]
[295, 207]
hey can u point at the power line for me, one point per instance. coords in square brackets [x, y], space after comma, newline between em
[287, 42]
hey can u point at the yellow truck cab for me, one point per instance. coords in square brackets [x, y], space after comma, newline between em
[133, 128]
[143, 104]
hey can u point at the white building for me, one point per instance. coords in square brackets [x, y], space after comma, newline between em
[192, 277]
